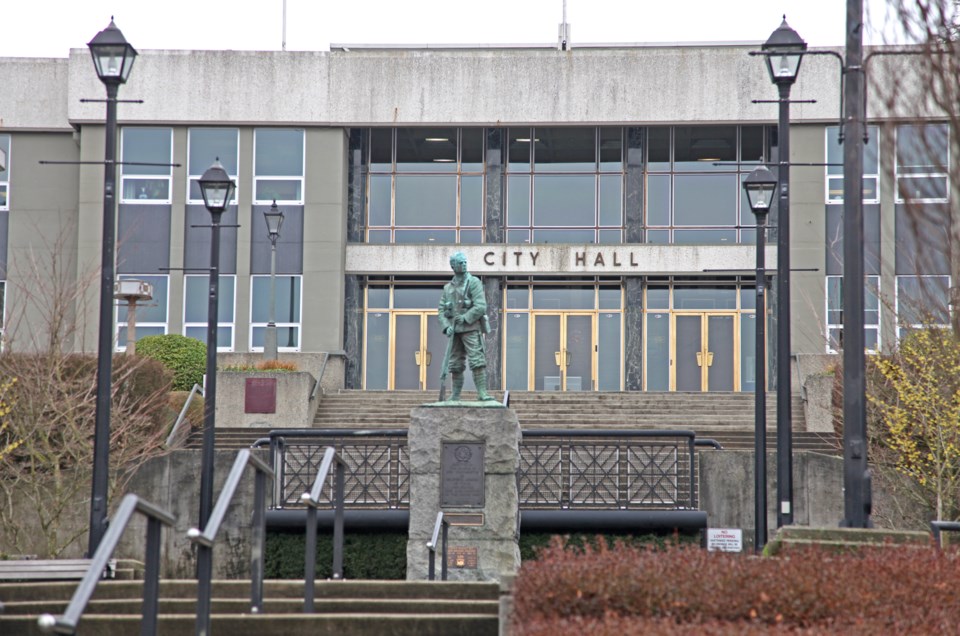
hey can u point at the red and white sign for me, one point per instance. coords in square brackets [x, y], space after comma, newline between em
[725, 539]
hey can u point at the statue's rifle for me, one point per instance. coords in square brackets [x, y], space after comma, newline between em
[446, 366]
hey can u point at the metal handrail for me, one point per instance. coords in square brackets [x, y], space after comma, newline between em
[67, 622]
[323, 368]
[707, 441]
[312, 500]
[204, 540]
[937, 527]
[183, 414]
[441, 528]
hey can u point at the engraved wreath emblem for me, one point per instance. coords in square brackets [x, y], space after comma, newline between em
[463, 453]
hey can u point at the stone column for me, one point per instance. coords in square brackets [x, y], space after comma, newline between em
[463, 460]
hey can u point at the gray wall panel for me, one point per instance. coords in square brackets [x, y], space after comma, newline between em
[143, 239]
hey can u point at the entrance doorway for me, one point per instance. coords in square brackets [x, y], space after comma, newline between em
[564, 348]
[418, 352]
[704, 352]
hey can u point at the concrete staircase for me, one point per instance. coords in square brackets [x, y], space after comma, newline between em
[725, 417]
[342, 608]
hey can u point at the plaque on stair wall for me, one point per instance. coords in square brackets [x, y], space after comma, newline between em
[461, 475]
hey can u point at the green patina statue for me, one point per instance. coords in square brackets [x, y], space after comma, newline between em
[463, 316]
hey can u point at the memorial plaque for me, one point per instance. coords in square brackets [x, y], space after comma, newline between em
[461, 475]
[463, 518]
[260, 395]
[462, 557]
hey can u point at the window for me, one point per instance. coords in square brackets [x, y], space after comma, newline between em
[278, 166]
[3, 305]
[565, 185]
[286, 308]
[145, 173]
[4, 172]
[871, 166]
[871, 313]
[151, 319]
[196, 300]
[923, 159]
[922, 302]
[426, 185]
[206, 145]
[690, 199]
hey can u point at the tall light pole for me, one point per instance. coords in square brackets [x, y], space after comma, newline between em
[784, 52]
[856, 474]
[113, 58]
[274, 219]
[216, 187]
[759, 186]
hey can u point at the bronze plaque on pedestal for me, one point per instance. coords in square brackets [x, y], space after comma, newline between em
[462, 557]
[260, 395]
[461, 475]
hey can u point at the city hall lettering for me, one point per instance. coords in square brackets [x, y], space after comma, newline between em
[583, 259]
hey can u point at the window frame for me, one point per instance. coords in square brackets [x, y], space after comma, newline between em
[298, 325]
[301, 177]
[232, 324]
[120, 324]
[5, 175]
[195, 176]
[942, 173]
[874, 134]
[869, 279]
[133, 175]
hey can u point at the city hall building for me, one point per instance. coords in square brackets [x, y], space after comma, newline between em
[596, 192]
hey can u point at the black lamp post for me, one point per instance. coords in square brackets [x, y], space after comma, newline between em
[759, 186]
[784, 52]
[216, 187]
[113, 58]
[274, 219]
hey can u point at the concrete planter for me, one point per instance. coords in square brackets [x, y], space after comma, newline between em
[256, 399]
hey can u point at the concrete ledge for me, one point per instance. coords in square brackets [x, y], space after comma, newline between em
[843, 538]
[294, 408]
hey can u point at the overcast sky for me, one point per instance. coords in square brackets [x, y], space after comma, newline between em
[50, 28]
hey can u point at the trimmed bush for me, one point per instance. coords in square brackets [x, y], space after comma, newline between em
[685, 590]
[366, 555]
[186, 357]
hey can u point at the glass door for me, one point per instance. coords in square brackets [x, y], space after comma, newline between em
[419, 346]
[704, 352]
[563, 357]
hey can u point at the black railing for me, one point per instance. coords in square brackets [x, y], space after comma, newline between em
[440, 528]
[560, 469]
[156, 517]
[312, 501]
[937, 528]
[205, 539]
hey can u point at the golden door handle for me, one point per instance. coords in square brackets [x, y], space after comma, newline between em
[416, 356]
[556, 356]
[430, 358]
[709, 358]
[699, 358]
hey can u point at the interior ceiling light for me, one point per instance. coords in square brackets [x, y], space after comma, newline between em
[525, 140]
[436, 139]
[444, 160]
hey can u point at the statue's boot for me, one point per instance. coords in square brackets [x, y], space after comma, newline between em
[480, 379]
[457, 379]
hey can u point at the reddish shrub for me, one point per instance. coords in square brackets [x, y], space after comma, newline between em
[628, 590]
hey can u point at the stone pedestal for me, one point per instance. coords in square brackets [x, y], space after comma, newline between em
[445, 444]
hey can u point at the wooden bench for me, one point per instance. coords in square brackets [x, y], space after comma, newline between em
[50, 569]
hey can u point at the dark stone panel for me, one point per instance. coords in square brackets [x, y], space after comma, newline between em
[493, 290]
[357, 184]
[143, 239]
[633, 333]
[633, 187]
[289, 245]
[495, 214]
[4, 239]
[871, 240]
[353, 332]
[196, 244]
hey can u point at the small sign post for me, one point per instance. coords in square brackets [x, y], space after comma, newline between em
[724, 539]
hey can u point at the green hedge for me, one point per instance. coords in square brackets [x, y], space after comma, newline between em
[383, 555]
[186, 357]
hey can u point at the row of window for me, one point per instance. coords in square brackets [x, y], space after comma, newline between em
[152, 317]
[4, 172]
[921, 164]
[147, 154]
[919, 302]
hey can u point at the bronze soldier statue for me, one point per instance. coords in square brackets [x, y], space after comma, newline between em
[463, 316]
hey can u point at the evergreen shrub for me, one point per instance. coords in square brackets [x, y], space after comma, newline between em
[186, 357]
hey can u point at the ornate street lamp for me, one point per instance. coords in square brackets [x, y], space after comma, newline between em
[760, 186]
[274, 219]
[217, 188]
[113, 58]
[784, 51]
